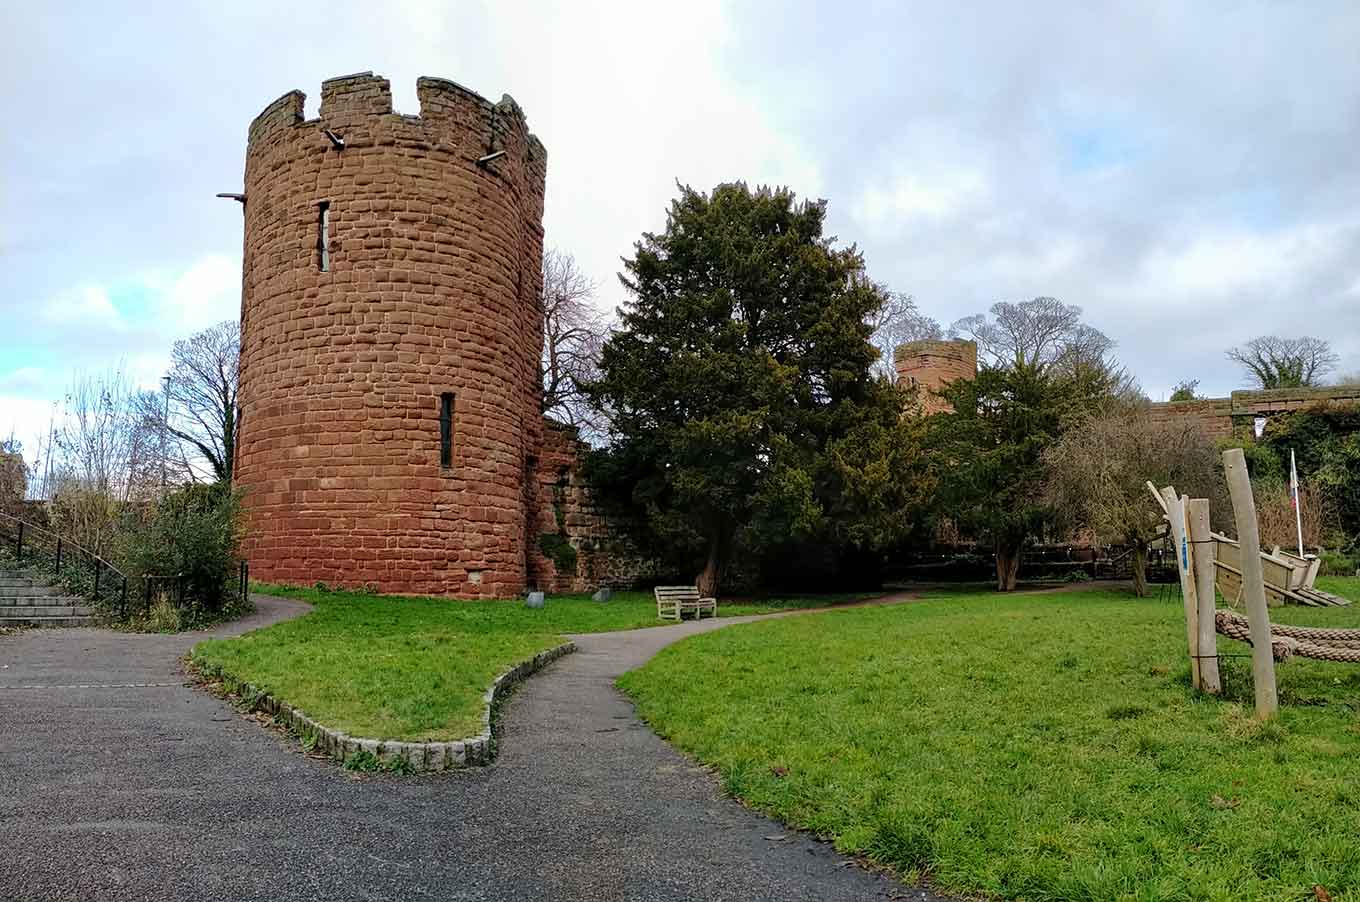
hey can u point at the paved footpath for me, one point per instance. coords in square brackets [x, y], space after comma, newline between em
[119, 781]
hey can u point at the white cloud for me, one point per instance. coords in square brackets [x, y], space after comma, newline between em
[912, 196]
[1224, 262]
[22, 379]
[86, 306]
[26, 419]
[205, 294]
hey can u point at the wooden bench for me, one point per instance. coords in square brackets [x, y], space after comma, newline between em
[674, 602]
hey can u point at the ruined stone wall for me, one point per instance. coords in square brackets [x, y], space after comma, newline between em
[930, 365]
[1212, 415]
[1224, 417]
[432, 287]
[566, 512]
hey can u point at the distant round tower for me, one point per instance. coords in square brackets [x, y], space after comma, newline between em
[390, 338]
[930, 365]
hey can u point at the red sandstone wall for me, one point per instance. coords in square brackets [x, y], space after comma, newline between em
[1220, 417]
[1212, 415]
[433, 287]
[564, 506]
[931, 364]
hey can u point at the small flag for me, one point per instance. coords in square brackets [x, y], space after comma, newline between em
[1293, 481]
[1294, 497]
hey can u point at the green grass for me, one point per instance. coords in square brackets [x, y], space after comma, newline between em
[388, 667]
[1042, 748]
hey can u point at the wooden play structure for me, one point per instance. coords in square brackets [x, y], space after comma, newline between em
[1244, 574]
[1289, 577]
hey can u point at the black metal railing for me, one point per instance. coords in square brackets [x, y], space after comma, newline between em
[79, 569]
[87, 574]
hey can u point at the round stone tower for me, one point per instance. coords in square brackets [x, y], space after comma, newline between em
[390, 338]
[929, 365]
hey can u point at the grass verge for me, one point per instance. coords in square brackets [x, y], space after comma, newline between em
[1038, 748]
[415, 669]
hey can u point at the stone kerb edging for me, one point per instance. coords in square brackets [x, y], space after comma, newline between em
[420, 756]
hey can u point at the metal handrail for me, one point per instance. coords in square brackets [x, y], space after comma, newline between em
[100, 564]
[25, 525]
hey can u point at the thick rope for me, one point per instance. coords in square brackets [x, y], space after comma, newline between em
[1285, 643]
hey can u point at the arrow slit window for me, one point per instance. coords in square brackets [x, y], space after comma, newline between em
[323, 236]
[446, 430]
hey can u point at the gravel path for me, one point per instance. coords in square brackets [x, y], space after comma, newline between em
[118, 781]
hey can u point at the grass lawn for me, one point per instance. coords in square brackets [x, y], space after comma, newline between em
[1042, 748]
[387, 667]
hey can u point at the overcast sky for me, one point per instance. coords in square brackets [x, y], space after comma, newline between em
[1185, 172]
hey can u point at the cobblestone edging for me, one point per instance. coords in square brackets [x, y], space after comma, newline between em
[421, 756]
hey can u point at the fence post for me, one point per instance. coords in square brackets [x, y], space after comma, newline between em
[19, 546]
[122, 602]
[146, 603]
[1175, 512]
[94, 595]
[1253, 581]
[57, 568]
[1203, 552]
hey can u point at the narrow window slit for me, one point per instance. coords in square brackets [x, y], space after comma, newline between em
[446, 430]
[323, 235]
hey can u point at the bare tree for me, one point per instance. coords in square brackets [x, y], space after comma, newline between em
[1274, 362]
[194, 422]
[1096, 477]
[897, 322]
[13, 476]
[1037, 333]
[96, 452]
[574, 331]
[97, 441]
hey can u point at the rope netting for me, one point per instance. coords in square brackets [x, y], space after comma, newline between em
[1340, 645]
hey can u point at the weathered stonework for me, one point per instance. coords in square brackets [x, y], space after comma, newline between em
[1236, 414]
[566, 512]
[930, 365]
[430, 285]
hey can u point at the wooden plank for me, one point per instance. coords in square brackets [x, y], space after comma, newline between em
[1161, 502]
[1253, 582]
[1202, 551]
[1180, 548]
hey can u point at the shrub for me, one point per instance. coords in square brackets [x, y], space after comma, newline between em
[560, 551]
[86, 514]
[194, 532]
[1336, 563]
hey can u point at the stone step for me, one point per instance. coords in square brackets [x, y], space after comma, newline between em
[27, 612]
[40, 622]
[23, 580]
[38, 601]
[32, 587]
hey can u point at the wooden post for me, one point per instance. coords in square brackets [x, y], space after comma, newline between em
[1180, 546]
[1203, 550]
[1253, 581]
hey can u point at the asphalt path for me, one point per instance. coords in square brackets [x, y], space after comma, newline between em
[119, 780]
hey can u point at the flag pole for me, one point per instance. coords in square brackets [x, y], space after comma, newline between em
[1294, 493]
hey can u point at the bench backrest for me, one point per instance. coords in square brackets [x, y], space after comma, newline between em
[676, 593]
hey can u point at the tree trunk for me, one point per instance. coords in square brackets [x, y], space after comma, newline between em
[709, 580]
[1007, 566]
[1140, 557]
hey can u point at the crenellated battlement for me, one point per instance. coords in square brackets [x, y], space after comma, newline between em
[282, 113]
[355, 96]
[361, 103]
